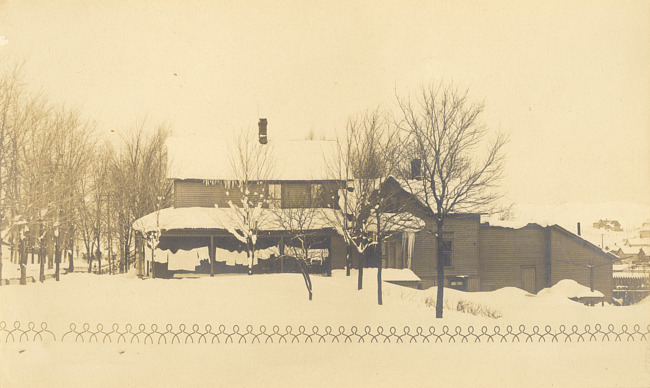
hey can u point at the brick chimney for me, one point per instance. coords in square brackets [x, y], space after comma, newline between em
[416, 169]
[262, 131]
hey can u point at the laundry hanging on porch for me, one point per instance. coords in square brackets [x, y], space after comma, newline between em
[160, 255]
[232, 258]
[186, 259]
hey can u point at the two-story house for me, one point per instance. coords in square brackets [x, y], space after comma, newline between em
[291, 198]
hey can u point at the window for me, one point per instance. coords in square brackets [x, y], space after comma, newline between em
[317, 194]
[446, 253]
[275, 195]
[458, 282]
[296, 195]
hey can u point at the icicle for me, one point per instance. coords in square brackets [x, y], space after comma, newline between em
[410, 237]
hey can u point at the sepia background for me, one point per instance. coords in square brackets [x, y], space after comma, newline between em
[568, 81]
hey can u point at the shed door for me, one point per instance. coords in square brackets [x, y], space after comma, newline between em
[528, 279]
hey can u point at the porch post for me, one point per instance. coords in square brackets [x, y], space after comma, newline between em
[211, 255]
[153, 263]
[281, 254]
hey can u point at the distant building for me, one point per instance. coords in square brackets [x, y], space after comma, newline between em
[632, 255]
[644, 233]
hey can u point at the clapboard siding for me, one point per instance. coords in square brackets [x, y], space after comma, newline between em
[505, 252]
[463, 231]
[571, 257]
[194, 193]
[338, 251]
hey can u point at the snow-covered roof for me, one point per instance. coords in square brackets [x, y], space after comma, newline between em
[638, 241]
[416, 188]
[630, 275]
[210, 159]
[625, 250]
[517, 224]
[620, 267]
[223, 218]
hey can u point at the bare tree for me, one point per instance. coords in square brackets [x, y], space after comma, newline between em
[460, 169]
[301, 223]
[11, 112]
[251, 164]
[138, 181]
[368, 154]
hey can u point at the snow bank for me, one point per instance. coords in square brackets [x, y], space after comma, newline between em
[399, 275]
[571, 289]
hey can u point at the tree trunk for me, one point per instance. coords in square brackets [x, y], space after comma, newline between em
[379, 263]
[22, 259]
[249, 255]
[360, 277]
[50, 261]
[70, 262]
[348, 260]
[441, 270]
[90, 259]
[41, 259]
[0, 260]
[127, 243]
[379, 267]
[99, 260]
[70, 256]
[57, 258]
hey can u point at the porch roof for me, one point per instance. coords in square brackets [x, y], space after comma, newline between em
[191, 220]
[206, 218]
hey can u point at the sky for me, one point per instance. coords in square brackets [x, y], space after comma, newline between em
[569, 82]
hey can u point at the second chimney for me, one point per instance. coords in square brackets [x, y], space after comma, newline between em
[262, 132]
[416, 169]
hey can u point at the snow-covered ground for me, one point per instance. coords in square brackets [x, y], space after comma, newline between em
[281, 299]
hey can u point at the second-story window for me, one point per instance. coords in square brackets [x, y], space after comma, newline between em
[296, 195]
[317, 195]
[275, 195]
